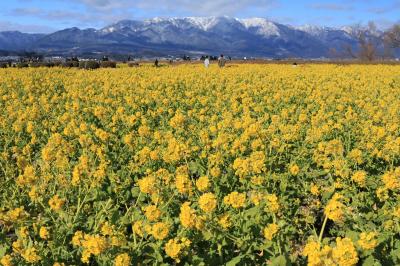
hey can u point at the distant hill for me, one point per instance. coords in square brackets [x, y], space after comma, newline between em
[17, 41]
[256, 37]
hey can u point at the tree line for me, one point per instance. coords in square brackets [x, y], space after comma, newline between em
[371, 44]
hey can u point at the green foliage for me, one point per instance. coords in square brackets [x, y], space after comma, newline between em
[108, 64]
[22, 65]
[89, 65]
[70, 64]
[133, 64]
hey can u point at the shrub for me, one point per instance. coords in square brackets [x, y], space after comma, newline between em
[43, 64]
[22, 65]
[3, 65]
[36, 64]
[66, 64]
[108, 64]
[89, 65]
[133, 64]
[70, 64]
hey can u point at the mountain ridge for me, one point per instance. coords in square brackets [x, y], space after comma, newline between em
[257, 37]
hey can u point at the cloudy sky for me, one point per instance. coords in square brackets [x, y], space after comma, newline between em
[51, 15]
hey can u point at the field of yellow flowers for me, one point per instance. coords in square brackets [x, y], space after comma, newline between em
[247, 165]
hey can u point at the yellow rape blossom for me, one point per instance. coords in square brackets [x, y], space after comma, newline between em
[294, 169]
[368, 240]
[147, 185]
[344, 254]
[6, 260]
[314, 190]
[208, 202]
[187, 215]
[138, 228]
[235, 199]
[122, 260]
[93, 245]
[174, 248]
[56, 203]
[203, 183]
[43, 233]
[334, 209]
[224, 221]
[272, 203]
[30, 255]
[152, 213]
[270, 231]
[359, 177]
[160, 230]
[391, 179]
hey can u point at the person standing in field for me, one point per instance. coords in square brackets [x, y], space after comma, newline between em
[207, 62]
[221, 61]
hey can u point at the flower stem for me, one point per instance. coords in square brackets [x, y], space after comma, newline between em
[322, 229]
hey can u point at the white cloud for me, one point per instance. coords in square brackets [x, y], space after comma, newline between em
[31, 28]
[99, 13]
[70, 18]
[190, 7]
[332, 7]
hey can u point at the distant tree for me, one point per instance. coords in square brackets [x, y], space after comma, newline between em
[186, 58]
[334, 53]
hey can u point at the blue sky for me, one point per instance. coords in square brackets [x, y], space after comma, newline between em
[51, 15]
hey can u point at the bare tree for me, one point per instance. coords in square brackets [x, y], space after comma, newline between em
[348, 51]
[393, 36]
[367, 43]
[388, 52]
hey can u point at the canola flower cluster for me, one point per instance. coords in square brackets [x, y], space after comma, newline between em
[247, 165]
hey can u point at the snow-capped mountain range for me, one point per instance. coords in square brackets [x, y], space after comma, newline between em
[191, 35]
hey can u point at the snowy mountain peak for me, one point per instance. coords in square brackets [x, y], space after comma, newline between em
[311, 28]
[206, 23]
[317, 30]
[264, 26]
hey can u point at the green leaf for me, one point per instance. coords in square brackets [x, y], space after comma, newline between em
[252, 211]
[135, 192]
[283, 185]
[3, 250]
[235, 260]
[327, 195]
[352, 235]
[370, 261]
[280, 261]
[266, 245]
[207, 235]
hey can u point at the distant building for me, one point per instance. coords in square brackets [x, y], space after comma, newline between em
[54, 59]
[10, 58]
